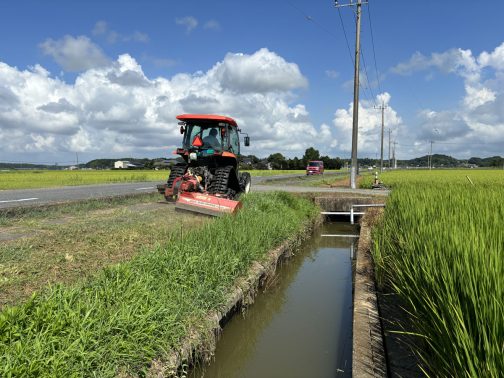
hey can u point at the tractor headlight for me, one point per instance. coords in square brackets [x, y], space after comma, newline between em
[193, 156]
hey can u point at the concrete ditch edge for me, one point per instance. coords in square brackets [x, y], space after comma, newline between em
[368, 353]
[201, 343]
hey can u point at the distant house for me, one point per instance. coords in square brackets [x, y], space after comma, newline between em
[125, 164]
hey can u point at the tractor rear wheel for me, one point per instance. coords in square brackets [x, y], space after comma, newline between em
[225, 182]
[178, 170]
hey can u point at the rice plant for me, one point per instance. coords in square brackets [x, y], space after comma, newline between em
[440, 247]
[130, 314]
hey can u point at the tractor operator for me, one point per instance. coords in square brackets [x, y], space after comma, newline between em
[211, 139]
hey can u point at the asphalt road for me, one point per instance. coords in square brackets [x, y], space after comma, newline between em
[31, 197]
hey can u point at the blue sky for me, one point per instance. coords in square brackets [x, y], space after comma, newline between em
[106, 78]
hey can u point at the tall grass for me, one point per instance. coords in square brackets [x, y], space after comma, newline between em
[138, 311]
[440, 246]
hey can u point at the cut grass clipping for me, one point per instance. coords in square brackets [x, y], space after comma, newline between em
[440, 248]
[137, 311]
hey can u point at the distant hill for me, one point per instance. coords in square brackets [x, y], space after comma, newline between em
[494, 161]
[28, 166]
[437, 161]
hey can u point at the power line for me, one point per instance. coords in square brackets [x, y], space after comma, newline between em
[346, 38]
[368, 82]
[373, 44]
[369, 96]
[312, 19]
[367, 79]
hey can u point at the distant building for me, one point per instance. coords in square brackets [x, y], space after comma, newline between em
[125, 164]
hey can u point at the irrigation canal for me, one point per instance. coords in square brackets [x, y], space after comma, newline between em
[301, 325]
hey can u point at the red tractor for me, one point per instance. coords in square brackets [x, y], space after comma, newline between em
[208, 181]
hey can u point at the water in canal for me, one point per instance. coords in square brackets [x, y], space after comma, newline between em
[301, 325]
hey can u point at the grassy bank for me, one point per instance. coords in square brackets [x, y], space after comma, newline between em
[440, 248]
[63, 243]
[137, 311]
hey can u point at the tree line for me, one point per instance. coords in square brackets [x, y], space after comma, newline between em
[278, 161]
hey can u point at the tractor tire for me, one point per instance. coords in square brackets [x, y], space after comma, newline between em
[245, 182]
[225, 182]
[177, 170]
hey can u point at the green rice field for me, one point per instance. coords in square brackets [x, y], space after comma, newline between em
[440, 247]
[45, 179]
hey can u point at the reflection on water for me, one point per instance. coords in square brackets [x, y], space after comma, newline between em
[301, 325]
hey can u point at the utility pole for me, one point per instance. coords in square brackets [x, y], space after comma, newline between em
[355, 127]
[430, 155]
[393, 155]
[389, 132]
[382, 107]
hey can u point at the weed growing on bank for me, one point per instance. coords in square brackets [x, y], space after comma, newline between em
[140, 310]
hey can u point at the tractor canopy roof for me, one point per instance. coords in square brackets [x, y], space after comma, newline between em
[206, 118]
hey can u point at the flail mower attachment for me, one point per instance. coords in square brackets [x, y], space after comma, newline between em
[206, 204]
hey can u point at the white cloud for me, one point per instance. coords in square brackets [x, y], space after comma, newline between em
[263, 71]
[369, 137]
[101, 28]
[494, 59]
[116, 109]
[477, 96]
[190, 23]
[74, 54]
[457, 61]
[477, 125]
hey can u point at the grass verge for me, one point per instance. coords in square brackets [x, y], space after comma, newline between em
[69, 242]
[14, 215]
[137, 311]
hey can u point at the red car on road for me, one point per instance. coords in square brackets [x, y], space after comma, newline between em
[315, 167]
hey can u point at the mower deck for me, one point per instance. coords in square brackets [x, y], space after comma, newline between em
[206, 204]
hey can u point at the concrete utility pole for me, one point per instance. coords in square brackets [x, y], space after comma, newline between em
[389, 132]
[382, 107]
[393, 155]
[430, 155]
[355, 127]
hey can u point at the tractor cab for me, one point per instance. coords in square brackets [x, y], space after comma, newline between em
[209, 136]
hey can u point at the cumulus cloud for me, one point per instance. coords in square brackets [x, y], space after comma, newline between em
[478, 123]
[457, 61]
[189, 23]
[369, 138]
[74, 54]
[116, 109]
[495, 59]
[263, 71]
